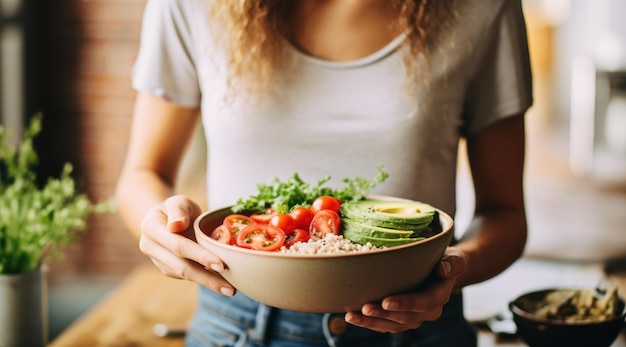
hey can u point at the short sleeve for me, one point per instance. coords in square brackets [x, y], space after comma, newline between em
[165, 65]
[502, 84]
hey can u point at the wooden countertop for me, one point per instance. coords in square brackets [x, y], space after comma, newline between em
[126, 316]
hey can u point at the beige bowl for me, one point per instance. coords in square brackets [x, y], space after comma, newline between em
[324, 282]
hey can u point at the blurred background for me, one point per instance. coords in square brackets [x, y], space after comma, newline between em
[71, 59]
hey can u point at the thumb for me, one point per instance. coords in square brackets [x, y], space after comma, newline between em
[453, 263]
[180, 212]
[178, 224]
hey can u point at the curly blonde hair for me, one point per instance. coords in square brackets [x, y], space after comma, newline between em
[255, 31]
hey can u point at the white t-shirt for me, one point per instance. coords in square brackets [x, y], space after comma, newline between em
[342, 118]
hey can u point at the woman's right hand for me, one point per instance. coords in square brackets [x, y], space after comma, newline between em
[167, 237]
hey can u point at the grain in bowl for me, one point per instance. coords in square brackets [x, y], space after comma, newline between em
[328, 244]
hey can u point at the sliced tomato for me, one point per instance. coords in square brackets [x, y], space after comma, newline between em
[303, 217]
[284, 221]
[263, 237]
[235, 222]
[298, 235]
[263, 217]
[221, 234]
[326, 202]
[324, 222]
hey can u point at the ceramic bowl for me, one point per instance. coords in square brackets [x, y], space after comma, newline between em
[324, 282]
[541, 332]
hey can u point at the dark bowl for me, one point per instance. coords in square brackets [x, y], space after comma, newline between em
[542, 332]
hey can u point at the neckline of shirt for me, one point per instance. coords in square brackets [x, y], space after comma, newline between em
[369, 59]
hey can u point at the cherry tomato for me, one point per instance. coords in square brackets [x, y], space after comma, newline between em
[326, 202]
[235, 222]
[303, 217]
[263, 217]
[284, 221]
[263, 237]
[221, 234]
[324, 222]
[298, 235]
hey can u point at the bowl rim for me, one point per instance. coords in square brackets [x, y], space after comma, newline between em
[518, 311]
[201, 234]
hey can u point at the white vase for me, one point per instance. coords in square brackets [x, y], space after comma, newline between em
[24, 309]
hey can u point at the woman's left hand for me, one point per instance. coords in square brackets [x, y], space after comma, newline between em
[408, 311]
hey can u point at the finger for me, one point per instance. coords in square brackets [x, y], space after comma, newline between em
[430, 299]
[401, 317]
[175, 267]
[155, 234]
[436, 292]
[181, 247]
[180, 212]
[398, 317]
[377, 324]
[179, 257]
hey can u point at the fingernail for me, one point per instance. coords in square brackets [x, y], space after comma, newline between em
[227, 291]
[447, 267]
[217, 267]
[176, 225]
[175, 220]
[373, 312]
[352, 318]
[391, 305]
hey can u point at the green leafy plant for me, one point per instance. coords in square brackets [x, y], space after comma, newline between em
[283, 196]
[36, 221]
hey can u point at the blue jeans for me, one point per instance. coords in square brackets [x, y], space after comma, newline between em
[242, 322]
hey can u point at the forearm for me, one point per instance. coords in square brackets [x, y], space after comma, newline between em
[494, 240]
[159, 135]
[137, 192]
[497, 234]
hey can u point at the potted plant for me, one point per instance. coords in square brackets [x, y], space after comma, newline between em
[36, 222]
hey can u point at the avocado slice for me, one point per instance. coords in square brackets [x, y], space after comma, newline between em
[389, 213]
[387, 222]
[352, 226]
[377, 241]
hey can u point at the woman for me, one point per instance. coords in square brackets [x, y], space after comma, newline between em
[331, 87]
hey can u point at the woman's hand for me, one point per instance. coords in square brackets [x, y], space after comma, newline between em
[408, 311]
[167, 237]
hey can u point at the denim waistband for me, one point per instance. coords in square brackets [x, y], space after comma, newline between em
[259, 323]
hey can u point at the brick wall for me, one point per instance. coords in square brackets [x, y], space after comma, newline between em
[86, 52]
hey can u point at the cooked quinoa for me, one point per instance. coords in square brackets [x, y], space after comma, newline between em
[330, 244]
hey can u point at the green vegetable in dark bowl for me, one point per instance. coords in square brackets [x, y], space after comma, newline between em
[568, 317]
